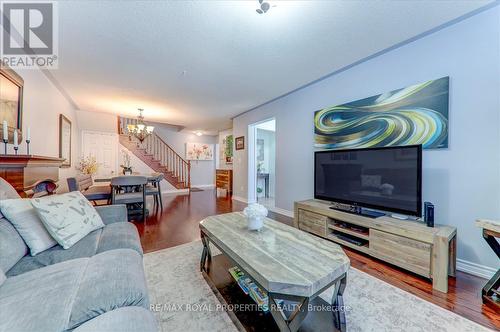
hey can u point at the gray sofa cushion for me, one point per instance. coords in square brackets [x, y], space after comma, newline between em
[2, 277]
[65, 295]
[112, 213]
[119, 235]
[113, 279]
[7, 192]
[12, 246]
[46, 296]
[128, 319]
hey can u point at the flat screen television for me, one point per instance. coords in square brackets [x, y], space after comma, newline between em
[388, 179]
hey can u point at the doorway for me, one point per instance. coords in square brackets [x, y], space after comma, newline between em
[262, 162]
[103, 147]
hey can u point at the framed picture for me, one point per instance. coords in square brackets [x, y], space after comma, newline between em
[65, 140]
[239, 143]
[199, 151]
[11, 102]
[417, 114]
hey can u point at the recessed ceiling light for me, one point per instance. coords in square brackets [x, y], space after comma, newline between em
[199, 133]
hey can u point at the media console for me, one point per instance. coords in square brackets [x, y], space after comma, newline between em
[411, 245]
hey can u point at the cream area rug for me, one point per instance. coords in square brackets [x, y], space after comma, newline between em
[182, 300]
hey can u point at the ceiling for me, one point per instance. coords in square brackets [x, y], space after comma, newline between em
[196, 64]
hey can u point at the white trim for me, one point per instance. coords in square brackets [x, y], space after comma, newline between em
[175, 191]
[475, 269]
[241, 199]
[280, 211]
[203, 186]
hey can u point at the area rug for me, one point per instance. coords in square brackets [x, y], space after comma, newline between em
[182, 300]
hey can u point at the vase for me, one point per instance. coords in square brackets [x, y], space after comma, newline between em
[127, 171]
[255, 223]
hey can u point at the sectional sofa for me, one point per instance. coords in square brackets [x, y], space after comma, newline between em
[96, 285]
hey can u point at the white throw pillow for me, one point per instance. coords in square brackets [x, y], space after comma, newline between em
[68, 217]
[26, 221]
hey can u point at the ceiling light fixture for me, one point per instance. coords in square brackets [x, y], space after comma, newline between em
[140, 129]
[199, 133]
[264, 7]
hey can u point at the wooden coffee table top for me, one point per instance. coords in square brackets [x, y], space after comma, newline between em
[281, 258]
[491, 225]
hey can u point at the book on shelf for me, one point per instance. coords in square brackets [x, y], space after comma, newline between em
[250, 288]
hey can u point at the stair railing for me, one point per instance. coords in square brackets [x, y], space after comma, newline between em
[162, 152]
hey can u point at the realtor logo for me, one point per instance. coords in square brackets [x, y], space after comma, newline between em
[29, 37]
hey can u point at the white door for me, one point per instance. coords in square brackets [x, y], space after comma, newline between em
[103, 147]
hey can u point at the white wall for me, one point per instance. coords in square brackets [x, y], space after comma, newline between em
[42, 104]
[203, 171]
[463, 181]
[95, 121]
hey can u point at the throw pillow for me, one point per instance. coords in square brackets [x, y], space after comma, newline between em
[25, 220]
[68, 217]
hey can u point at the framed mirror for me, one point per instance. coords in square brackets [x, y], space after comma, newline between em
[11, 102]
[65, 140]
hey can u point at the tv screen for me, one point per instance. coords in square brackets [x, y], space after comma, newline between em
[387, 178]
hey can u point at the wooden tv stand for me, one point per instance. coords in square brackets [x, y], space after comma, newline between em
[427, 251]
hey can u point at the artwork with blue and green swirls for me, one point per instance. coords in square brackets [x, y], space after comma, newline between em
[417, 114]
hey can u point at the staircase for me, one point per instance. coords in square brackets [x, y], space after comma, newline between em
[157, 154]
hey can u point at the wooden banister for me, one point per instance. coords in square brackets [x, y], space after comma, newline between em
[162, 153]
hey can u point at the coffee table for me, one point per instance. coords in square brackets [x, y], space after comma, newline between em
[287, 263]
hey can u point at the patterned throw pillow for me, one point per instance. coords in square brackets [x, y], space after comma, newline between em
[68, 217]
[25, 220]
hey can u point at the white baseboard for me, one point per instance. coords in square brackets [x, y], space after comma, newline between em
[475, 269]
[175, 191]
[281, 211]
[240, 199]
[203, 186]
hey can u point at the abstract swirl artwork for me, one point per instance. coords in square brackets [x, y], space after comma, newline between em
[417, 114]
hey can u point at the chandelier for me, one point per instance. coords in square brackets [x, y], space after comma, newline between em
[140, 130]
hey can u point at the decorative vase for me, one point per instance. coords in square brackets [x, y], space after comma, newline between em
[127, 171]
[255, 214]
[255, 223]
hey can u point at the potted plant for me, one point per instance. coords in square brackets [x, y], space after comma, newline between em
[88, 165]
[126, 166]
[228, 150]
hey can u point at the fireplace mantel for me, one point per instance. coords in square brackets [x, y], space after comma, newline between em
[22, 171]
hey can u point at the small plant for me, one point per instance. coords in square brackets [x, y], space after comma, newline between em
[126, 166]
[228, 151]
[88, 165]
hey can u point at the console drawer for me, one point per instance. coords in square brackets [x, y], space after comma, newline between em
[409, 254]
[312, 222]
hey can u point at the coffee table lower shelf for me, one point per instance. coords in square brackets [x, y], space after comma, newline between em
[232, 297]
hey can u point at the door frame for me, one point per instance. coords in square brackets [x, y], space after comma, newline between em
[252, 156]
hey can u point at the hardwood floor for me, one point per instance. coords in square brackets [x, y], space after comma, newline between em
[178, 222]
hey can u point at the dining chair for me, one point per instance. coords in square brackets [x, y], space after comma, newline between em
[153, 188]
[85, 185]
[129, 189]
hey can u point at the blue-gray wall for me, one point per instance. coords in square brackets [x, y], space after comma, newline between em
[464, 180]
